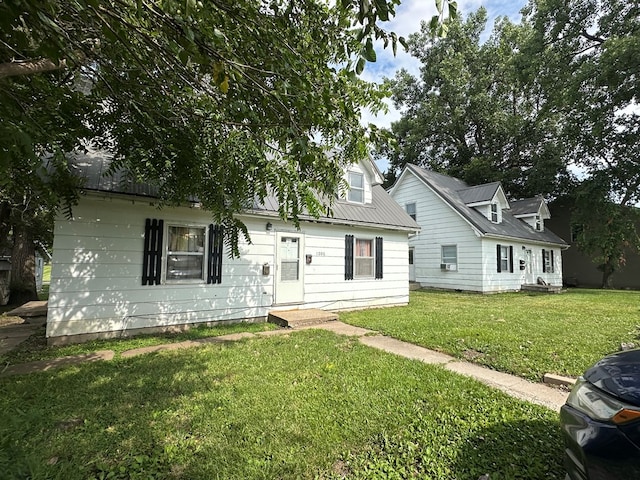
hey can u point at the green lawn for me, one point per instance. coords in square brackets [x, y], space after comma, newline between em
[527, 335]
[309, 404]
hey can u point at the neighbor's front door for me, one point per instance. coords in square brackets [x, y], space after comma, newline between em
[530, 275]
[289, 268]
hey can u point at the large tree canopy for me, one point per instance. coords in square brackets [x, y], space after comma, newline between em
[224, 101]
[548, 106]
[477, 110]
[593, 64]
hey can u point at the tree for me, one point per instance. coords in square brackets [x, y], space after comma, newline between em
[477, 110]
[224, 101]
[593, 52]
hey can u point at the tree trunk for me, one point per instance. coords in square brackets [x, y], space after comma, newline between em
[607, 275]
[23, 267]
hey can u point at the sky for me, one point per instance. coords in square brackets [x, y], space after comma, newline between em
[409, 14]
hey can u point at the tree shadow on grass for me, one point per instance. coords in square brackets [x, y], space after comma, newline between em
[524, 449]
[94, 419]
[455, 447]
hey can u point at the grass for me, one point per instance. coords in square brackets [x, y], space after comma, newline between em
[309, 404]
[36, 348]
[526, 335]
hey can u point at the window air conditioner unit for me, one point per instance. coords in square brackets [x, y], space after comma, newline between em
[451, 266]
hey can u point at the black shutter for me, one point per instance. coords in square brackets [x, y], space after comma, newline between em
[152, 254]
[499, 247]
[214, 260]
[511, 259]
[553, 269]
[378, 257]
[348, 257]
[544, 257]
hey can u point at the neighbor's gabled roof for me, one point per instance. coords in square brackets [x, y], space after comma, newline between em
[530, 206]
[479, 193]
[382, 213]
[449, 189]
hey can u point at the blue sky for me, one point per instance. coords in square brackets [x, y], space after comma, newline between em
[407, 20]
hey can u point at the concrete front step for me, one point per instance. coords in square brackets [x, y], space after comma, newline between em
[300, 318]
[541, 288]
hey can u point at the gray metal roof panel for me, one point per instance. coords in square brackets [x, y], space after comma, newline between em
[527, 206]
[510, 227]
[383, 212]
[479, 193]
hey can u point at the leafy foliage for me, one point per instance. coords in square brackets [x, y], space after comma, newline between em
[216, 100]
[477, 110]
[549, 106]
[593, 49]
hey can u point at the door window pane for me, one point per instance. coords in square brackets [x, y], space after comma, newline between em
[289, 259]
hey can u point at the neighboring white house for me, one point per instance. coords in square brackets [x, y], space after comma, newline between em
[473, 238]
[121, 265]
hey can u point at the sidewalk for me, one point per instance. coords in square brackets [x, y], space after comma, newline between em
[517, 387]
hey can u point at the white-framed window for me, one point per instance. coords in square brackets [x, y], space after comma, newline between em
[538, 223]
[363, 257]
[494, 212]
[185, 257]
[449, 257]
[411, 209]
[548, 261]
[356, 187]
[505, 259]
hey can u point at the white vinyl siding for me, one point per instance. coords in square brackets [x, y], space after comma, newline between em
[440, 225]
[97, 270]
[476, 255]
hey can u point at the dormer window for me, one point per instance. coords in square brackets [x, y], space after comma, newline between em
[538, 223]
[494, 212]
[356, 187]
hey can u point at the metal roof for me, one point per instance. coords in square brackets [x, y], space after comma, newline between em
[449, 189]
[383, 212]
[527, 206]
[479, 193]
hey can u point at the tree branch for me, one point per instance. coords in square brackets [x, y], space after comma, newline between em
[29, 67]
[593, 38]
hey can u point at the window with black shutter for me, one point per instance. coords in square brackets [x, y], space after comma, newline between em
[348, 257]
[547, 261]
[216, 245]
[504, 258]
[152, 254]
[378, 257]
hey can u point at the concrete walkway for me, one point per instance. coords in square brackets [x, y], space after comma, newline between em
[517, 387]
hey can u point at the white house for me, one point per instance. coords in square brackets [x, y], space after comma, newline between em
[122, 266]
[473, 238]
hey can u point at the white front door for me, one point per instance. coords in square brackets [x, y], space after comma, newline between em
[289, 268]
[530, 276]
[412, 267]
